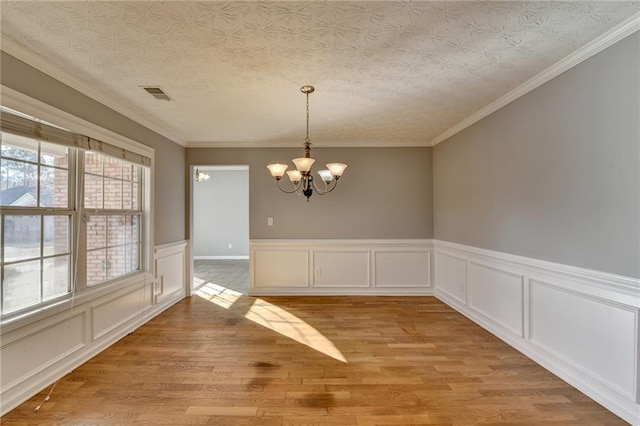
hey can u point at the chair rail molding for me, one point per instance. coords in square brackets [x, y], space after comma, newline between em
[580, 324]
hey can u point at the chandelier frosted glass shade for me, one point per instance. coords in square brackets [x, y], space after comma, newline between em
[325, 175]
[303, 164]
[294, 176]
[277, 170]
[302, 178]
[336, 169]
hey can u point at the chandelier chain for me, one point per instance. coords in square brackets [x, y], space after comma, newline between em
[307, 138]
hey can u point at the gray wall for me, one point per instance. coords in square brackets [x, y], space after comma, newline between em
[555, 174]
[384, 193]
[221, 214]
[169, 210]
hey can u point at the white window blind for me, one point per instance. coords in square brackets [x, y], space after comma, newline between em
[22, 126]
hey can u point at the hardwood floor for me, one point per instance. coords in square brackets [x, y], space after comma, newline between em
[228, 359]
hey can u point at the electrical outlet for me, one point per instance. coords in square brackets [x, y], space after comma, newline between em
[230, 245]
[157, 290]
[318, 272]
[269, 221]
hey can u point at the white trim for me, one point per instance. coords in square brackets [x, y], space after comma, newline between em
[165, 252]
[602, 279]
[221, 257]
[606, 289]
[607, 39]
[623, 407]
[170, 248]
[273, 276]
[41, 64]
[71, 362]
[222, 168]
[257, 243]
[42, 376]
[323, 144]
[533, 341]
[20, 102]
[333, 291]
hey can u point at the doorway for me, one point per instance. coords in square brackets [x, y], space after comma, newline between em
[220, 227]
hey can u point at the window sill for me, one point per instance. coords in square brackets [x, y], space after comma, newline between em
[12, 322]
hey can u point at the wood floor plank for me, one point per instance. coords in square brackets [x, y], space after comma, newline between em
[222, 411]
[350, 361]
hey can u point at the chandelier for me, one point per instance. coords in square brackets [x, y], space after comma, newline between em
[301, 178]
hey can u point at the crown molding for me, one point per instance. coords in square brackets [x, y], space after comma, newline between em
[223, 168]
[607, 39]
[35, 60]
[298, 144]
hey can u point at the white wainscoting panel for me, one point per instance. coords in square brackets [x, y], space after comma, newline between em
[171, 270]
[580, 324]
[402, 269]
[451, 276]
[280, 268]
[120, 309]
[592, 334]
[37, 350]
[498, 295]
[340, 267]
[25, 357]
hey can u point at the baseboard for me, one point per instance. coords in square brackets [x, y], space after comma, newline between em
[519, 300]
[338, 292]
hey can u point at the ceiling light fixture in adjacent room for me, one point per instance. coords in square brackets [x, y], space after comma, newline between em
[301, 178]
[201, 176]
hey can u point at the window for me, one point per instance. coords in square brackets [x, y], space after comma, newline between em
[113, 215]
[72, 213]
[36, 222]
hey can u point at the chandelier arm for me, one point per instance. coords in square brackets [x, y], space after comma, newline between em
[295, 187]
[327, 188]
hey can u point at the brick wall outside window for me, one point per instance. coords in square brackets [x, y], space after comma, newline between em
[111, 186]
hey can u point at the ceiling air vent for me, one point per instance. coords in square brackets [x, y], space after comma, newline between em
[157, 93]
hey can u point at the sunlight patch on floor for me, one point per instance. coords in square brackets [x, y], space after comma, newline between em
[289, 325]
[272, 317]
[221, 296]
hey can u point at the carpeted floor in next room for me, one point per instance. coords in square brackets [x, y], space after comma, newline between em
[230, 273]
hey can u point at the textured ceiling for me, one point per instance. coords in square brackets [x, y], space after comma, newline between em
[385, 72]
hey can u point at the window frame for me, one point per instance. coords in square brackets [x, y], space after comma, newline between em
[40, 211]
[82, 283]
[17, 101]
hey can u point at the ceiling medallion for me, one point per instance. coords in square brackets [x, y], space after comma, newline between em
[301, 178]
